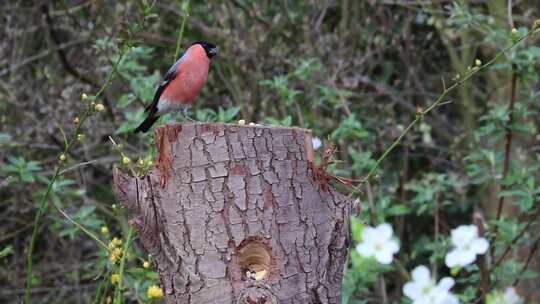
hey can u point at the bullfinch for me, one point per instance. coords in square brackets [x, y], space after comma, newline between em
[182, 83]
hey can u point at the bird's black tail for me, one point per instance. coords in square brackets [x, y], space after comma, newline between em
[147, 123]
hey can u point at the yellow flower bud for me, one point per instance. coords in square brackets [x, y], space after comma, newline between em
[84, 96]
[118, 252]
[478, 62]
[126, 160]
[141, 162]
[536, 25]
[419, 111]
[62, 157]
[115, 278]
[514, 31]
[116, 241]
[146, 265]
[99, 107]
[104, 230]
[154, 292]
[241, 122]
[113, 258]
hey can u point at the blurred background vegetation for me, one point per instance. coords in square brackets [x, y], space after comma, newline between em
[355, 72]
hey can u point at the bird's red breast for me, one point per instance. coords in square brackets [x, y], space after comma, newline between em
[191, 76]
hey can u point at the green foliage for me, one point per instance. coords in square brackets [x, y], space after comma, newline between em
[222, 115]
[24, 170]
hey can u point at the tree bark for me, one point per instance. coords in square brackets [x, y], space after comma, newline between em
[234, 214]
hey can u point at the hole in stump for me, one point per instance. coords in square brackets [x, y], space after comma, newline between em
[254, 258]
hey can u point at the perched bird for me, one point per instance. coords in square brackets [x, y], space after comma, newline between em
[182, 83]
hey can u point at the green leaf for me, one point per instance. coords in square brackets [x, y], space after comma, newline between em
[125, 100]
[227, 115]
[455, 270]
[133, 119]
[398, 209]
[6, 251]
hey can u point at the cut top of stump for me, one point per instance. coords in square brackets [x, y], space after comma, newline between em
[243, 141]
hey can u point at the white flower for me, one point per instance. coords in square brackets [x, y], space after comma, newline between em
[424, 290]
[378, 242]
[316, 143]
[509, 296]
[467, 245]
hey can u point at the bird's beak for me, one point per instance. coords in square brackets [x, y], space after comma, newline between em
[214, 51]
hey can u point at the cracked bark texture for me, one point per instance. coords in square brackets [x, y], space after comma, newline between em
[217, 188]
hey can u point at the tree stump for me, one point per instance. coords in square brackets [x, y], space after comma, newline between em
[233, 214]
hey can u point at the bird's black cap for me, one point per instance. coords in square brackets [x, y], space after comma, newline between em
[210, 48]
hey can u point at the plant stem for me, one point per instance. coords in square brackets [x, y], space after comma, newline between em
[37, 220]
[506, 251]
[436, 225]
[437, 102]
[382, 287]
[516, 238]
[41, 210]
[118, 292]
[528, 261]
[508, 139]
[181, 32]
[402, 270]
[45, 199]
[88, 232]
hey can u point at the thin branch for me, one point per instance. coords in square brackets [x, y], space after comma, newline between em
[127, 243]
[61, 54]
[516, 238]
[186, 6]
[43, 54]
[436, 231]
[372, 210]
[507, 250]
[382, 289]
[508, 140]
[528, 261]
[88, 232]
[485, 279]
[509, 9]
[420, 114]
[45, 198]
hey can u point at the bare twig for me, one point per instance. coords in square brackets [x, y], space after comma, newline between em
[186, 6]
[40, 55]
[372, 210]
[509, 9]
[436, 232]
[118, 290]
[420, 114]
[516, 238]
[485, 279]
[528, 261]
[508, 140]
[61, 54]
[382, 290]
[45, 198]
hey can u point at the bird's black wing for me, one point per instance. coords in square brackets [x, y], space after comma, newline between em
[171, 74]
